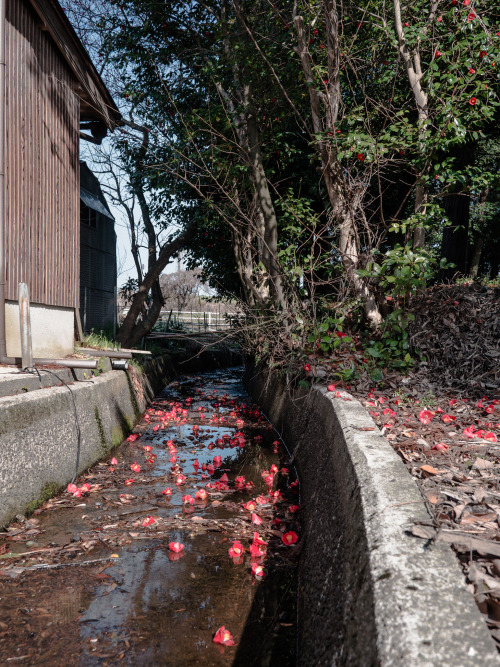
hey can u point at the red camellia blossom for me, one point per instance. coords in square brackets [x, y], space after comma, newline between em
[256, 519]
[166, 492]
[466, 2]
[181, 479]
[188, 500]
[331, 387]
[361, 157]
[257, 570]
[224, 637]
[147, 448]
[135, 467]
[437, 53]
[425, 416]
[257, 551]
[472, 101]
[293, 508]
[128, 482]
[469, 431]
[452, 402]
[472, 71]
[440, 447]
[132, 437]
[483, 53]
[148, 521]
[201, 494]
[289, 538]
[307, 368]
[113, 461]
[447, 419]
[176, 547]
[250, 505]
[257, 540]
[471, 16]
[236, 550]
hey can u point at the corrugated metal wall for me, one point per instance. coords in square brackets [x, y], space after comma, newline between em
[42, 168]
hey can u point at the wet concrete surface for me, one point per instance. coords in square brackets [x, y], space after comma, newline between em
[90, 578]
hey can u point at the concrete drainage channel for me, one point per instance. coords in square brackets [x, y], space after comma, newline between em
[370, 593]
[40, 448]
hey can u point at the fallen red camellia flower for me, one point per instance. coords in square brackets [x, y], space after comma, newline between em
[447, 418]
[290, 538]
[224, 637]
[201, 494]
[166, 492]
[181, 479]
[128, 482]
[148, 521]
[135, 467]
[113, 461]
[257, 570]
[440, 447]
[256, 519]
[425, 416]
[236, 550]
[176, 547]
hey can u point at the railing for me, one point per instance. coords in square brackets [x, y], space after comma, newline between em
[192, 321]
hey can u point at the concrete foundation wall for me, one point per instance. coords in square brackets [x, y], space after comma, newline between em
[52, 330]
[370, 593]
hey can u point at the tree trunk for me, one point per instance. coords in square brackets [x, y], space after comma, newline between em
[476, 257]
[132, 330]
[324, 111]
[266, 208]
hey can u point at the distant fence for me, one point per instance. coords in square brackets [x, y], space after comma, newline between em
[192, 321]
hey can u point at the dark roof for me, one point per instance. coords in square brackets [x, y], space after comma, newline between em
[96, 100]
[91, 193]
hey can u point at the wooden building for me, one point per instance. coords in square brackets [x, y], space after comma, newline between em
[97, 256]
[52, 92]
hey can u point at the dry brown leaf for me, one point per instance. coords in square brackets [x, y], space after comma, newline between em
[429, 470]
[482, 464]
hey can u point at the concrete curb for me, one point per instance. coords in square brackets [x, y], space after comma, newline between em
[370, 593]
[38, 437]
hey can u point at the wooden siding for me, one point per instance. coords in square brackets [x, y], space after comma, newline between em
[42, 168]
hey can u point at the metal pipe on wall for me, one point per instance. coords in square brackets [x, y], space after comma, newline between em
[112, 354]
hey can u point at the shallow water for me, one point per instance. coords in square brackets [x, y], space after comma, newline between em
[112, 592]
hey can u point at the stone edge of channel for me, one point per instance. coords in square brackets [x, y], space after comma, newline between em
[423, 612]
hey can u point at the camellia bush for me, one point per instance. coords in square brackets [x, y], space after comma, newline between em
[326, 158]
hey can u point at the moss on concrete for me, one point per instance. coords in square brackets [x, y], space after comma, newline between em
[103, 443]
[48, 491]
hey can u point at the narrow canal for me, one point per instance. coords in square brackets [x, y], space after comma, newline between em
[190, 526]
